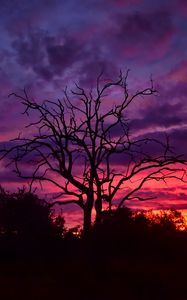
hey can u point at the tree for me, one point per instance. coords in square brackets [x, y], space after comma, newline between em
[24, 215]
[76, 140]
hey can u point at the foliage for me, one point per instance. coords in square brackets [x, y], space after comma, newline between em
[24, 215]
[141, 228]
[170, 219]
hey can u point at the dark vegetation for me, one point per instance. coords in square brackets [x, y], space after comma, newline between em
[129, 255]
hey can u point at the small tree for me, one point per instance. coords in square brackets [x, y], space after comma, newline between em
[24, 215]
[77, 141]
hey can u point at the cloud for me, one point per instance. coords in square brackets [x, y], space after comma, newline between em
[17, 16]
[179, 141]
[145, 33]
[31, 53]
[179, 73]
[118, 37]
[159, 115]
[182, 7]
[63, 56]
[164, 200]
[53, 56]
[10, 177]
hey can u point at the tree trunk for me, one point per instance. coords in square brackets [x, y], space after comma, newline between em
[87, 224]
[98, 208]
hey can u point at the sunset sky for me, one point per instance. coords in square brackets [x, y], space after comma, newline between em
[48, 44]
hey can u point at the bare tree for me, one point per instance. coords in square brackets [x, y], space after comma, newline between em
[75, 141]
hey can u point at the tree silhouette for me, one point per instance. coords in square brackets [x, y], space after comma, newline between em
[24, 215]
[76, 141]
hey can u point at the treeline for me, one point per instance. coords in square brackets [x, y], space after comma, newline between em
[24, 214]
[26, 217]
[130, 255]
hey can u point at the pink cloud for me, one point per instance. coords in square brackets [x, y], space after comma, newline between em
[179, 73]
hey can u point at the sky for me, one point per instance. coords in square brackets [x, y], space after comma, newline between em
[48, 44]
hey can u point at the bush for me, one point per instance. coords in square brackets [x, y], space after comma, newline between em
[24, 215]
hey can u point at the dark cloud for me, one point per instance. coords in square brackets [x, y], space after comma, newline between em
[63, 56]
[49, 56]
[160, 115]
[96, 44]
[30, 52]
[177, 141]
[7, 176]
[143, 33]
[29, 49]
[145, 26]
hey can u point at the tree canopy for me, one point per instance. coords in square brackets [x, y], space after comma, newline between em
[25, 215]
